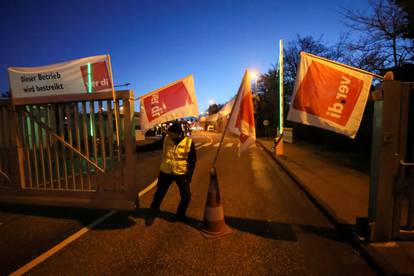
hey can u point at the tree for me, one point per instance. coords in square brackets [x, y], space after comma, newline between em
[292, 54]
[214, 108]
[265, 101]
[382, 42]
[408, 7]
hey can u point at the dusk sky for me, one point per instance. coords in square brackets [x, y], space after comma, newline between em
[153, 43]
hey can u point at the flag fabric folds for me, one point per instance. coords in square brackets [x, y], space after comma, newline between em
[241, 121]
[173, 101]
[329, 95]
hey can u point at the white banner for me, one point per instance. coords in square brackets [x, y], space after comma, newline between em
[173, 101]
[85, 75]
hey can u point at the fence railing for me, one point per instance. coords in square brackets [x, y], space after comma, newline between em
[5, 143]
[69, 149]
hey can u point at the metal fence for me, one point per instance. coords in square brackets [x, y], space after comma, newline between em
[68, 153]
[5, 144]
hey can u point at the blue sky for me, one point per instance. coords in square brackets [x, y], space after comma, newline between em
[154, 42]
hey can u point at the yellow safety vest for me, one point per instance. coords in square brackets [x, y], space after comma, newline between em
[174, 159]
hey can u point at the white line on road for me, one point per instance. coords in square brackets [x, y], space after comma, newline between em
[211, 139]
[61, 245]
[147, 189]
[216, 145]
[228, 145]
[204, 145]
[197, 144]
[72, 238]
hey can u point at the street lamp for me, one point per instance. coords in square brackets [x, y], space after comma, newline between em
[254, 75]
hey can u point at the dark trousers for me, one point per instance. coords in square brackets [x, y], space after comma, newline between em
[164, 182]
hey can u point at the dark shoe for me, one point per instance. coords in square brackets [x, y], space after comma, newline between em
[149, 220]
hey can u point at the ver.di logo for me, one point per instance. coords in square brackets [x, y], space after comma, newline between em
[99, 76]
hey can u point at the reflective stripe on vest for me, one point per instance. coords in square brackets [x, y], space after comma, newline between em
[174, 158]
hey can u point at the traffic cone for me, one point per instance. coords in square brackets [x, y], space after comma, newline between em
[213, 222]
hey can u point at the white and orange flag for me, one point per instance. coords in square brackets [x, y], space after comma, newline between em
[241, 121]
[329, 95]
[173, 101]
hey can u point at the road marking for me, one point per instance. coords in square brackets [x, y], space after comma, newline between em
[197, 144]
[72, 238]
[216, 145]
[61, 245]
[211, 139]
[204, 145]
[228, 145]
[384, 244]
[147, 189]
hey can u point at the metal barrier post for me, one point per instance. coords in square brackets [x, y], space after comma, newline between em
[129, 136]
[382, 206]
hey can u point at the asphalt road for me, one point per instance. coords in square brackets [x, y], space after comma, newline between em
[276, 228]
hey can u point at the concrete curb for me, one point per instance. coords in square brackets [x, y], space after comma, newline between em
[376, 261]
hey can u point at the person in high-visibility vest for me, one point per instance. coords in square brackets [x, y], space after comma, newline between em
[178, 163]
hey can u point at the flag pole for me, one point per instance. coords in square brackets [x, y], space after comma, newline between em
[227, 125]
[279, 142]
[281, 87]
[114, 99]
[347, 66]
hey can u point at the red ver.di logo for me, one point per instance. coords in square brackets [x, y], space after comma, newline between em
[96, 76]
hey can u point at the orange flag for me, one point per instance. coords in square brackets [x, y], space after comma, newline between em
[241, 121]
[329, 95]
[173, 101]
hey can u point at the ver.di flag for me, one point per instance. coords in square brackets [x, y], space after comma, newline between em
[241, 121]
[173, 101]
[329, 95]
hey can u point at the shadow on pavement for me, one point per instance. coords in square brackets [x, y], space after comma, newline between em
[119, 220]
[167, 216]
[262, 228]
[281, 231]
[85, 216]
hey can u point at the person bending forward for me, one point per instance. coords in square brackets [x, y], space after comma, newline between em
[178, 163]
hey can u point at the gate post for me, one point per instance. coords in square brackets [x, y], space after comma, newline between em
[129, 130]
[385, 162]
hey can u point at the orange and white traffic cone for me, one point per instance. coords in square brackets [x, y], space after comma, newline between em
[213, 222]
